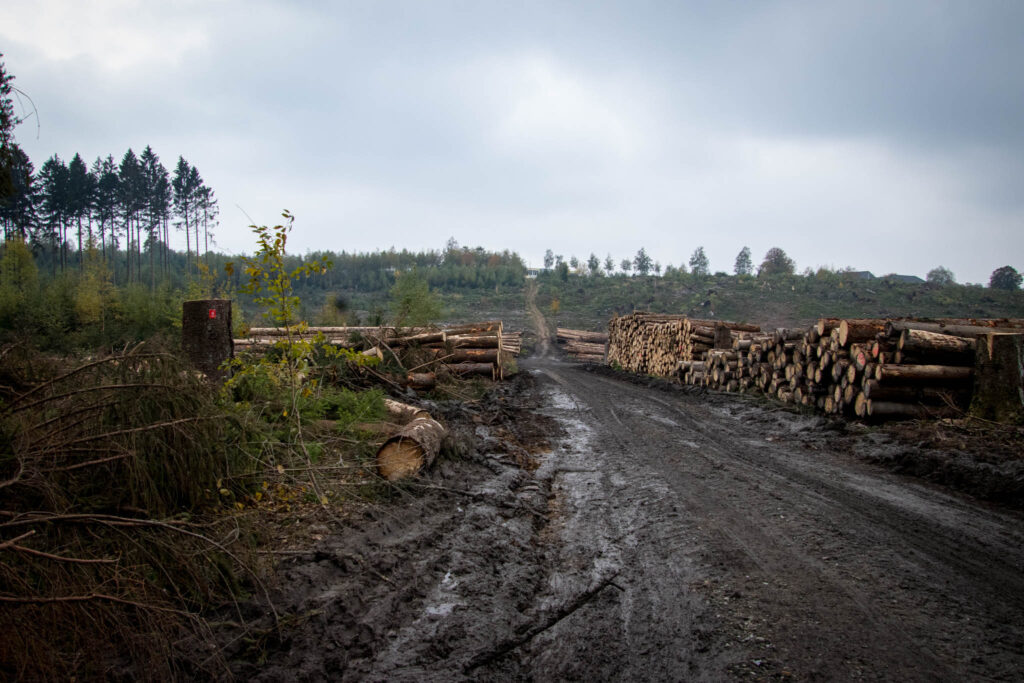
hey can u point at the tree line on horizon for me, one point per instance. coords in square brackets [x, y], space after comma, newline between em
[775, 263]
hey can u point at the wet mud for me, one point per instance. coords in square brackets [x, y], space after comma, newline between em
[596, 527]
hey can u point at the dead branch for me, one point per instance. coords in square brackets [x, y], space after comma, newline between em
[11, 542]
[61, 558]
[87, 390]
[90, 597]
[17, 475]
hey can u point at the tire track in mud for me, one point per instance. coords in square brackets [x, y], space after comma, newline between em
[864, 574]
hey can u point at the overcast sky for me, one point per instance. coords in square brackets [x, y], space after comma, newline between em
[887, 136]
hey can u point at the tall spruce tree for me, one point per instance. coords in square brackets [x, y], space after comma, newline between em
[131, 196]
[156, 199]
[106, 200]
[18, 209]
[81, 191]
[53, 204]
[8, 121]
[185, 186]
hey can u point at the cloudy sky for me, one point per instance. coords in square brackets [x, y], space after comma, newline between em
[887, 136]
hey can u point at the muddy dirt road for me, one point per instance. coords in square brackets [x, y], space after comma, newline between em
[656, 535]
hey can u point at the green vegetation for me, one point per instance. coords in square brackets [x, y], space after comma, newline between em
[783, 300]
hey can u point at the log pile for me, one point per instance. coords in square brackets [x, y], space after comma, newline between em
[868, 368]
[467, 349]
[583, 345]
[655, 344]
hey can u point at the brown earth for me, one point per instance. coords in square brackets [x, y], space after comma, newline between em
[595, 526]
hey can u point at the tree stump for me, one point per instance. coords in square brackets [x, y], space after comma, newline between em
[999, 378]
[206, 335]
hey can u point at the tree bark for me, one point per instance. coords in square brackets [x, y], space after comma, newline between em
[411, 449]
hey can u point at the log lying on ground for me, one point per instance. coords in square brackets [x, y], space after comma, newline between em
[420, 381]
[411, 449]
[563, 334]
[484, 369]
[403, 413]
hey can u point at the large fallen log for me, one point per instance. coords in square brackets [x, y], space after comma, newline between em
[411, 449]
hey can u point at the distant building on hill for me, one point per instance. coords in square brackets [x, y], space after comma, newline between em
[904, 279]
[891, 277]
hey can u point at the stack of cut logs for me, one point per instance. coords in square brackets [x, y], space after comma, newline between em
[870, 368]
[582, 344]
[654, 344]
[472, 348]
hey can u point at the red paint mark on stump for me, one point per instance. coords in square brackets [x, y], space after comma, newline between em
[213, 313]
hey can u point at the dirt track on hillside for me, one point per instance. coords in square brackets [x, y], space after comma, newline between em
[654, 535]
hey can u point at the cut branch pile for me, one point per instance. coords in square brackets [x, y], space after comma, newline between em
[583, 345]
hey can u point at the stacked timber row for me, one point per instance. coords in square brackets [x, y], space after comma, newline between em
[583, 345]
[868, 368]
[655, 344]
[469, 349]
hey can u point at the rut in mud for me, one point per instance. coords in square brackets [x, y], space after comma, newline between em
[603, 529]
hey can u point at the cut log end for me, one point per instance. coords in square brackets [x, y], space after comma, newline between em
[400, 459]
